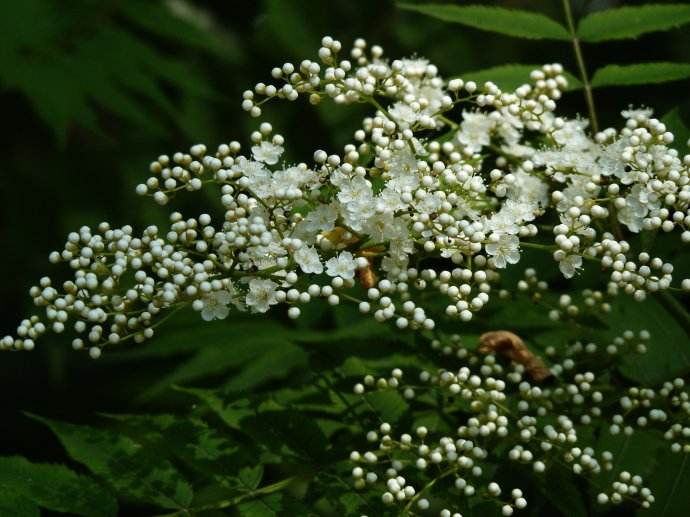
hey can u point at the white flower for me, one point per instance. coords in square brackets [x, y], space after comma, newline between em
[569, 265]
[403, 114]
[503, 222]
[343, 265]
[321, 219]
[528, 189]
[572, 135]
[308, 260]
[216, 305]
[505, 249]
[258, 177]
[261, 294]
[267, 152]
[475, 131]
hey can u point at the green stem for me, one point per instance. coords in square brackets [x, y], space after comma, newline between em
[589, 98]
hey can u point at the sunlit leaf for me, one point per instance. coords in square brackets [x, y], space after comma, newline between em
[511, 22]
[642, 73]
[632, 21]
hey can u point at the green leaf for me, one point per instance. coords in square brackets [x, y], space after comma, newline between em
[273, 505]
[389, 404]
[54, 487]
[287, 22]
[680, 127]
[67, 70]
[189, 31]
[134, 471]
[277, 362]
[511, 22]
[187, 439]
[558, 486]
[14, 504]
[632, 21]
[264, 352]
[251, 476]
[509, 77]
[668, 353]
[670, 485]
[642, 73]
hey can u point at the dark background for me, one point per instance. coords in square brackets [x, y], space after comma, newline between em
[91, 91]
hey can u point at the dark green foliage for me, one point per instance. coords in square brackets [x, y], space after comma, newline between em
[67, 69]
[26, 486]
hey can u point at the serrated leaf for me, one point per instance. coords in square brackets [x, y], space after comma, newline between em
[511, 22]
[132, 470]
[642, 73]
[509, 77]
[54, 487]
[189, 440]
[632, 21]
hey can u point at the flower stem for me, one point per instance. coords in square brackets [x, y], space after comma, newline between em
[589, 97]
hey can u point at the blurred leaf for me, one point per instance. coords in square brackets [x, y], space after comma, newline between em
[189, 28]
[642, 73]
[509, 77]
[680, 127]
[14, 504]
[277, 361]
[632, 21]
[290, 22]
[187, 333]
[266, 352]
[511, 22]
[54, 487]
[69, 67]
[134, 471]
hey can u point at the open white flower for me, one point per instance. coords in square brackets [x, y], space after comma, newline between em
[216, 305]
[343, 265]
[261, 295]
[267, 152]
[308, 260]
[569, 265]
[505, 249]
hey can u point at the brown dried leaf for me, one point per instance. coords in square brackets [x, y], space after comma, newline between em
[510, 345]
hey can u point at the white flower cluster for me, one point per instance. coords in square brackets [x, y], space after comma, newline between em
[441, 188]
[538, 424]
